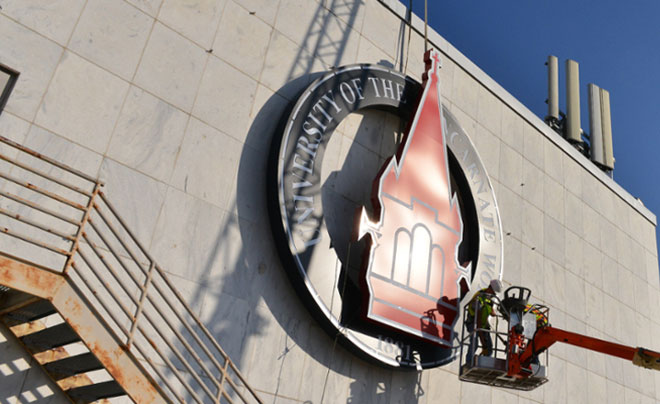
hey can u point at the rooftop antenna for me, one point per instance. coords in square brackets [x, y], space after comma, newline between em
[552, 119]
[600, 125]
[595, 124]
[573, 131]
[606, 116]
[598, 146]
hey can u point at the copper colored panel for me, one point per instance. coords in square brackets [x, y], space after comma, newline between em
[412, 271]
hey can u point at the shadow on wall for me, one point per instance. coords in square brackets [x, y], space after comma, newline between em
[296, 338]
[292, 356]
[404, 388]
[375, 139]
[319, 41]
[21, 378]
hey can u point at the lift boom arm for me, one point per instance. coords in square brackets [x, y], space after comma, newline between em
[547, 336]
[522, 369]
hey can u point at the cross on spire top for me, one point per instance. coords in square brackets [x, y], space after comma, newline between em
[436, 57]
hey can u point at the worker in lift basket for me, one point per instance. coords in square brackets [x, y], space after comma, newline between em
[481, 312]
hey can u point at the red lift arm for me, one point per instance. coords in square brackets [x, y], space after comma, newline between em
[546, 336]
[521, 369]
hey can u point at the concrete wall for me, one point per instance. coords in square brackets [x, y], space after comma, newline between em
[173, 104]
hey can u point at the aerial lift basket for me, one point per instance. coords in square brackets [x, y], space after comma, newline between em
[522, 336]
[491, 370]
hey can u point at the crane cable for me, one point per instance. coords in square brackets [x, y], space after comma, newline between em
[426, 25]
[426, 30]
[410, 7]
[426, 45]
[339, 330]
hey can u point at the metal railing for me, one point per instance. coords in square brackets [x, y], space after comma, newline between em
[58, 218]
[471, 329]
[497, 331]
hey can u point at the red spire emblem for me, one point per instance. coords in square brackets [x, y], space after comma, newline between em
[412, 272]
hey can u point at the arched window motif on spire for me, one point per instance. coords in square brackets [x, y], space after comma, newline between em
[412, 267]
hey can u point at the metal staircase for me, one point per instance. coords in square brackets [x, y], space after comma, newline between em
[88, 302]
[46, 344]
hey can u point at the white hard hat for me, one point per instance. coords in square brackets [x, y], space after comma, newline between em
[496, 285]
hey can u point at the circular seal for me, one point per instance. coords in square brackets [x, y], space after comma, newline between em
[320, 173]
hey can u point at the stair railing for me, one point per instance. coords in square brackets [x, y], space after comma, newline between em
[57, 218]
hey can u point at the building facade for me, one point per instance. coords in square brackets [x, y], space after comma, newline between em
[174, 104]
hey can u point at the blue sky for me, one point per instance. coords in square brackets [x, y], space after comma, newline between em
[617, 44]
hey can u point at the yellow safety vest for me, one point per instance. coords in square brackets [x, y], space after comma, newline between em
[486, 305]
